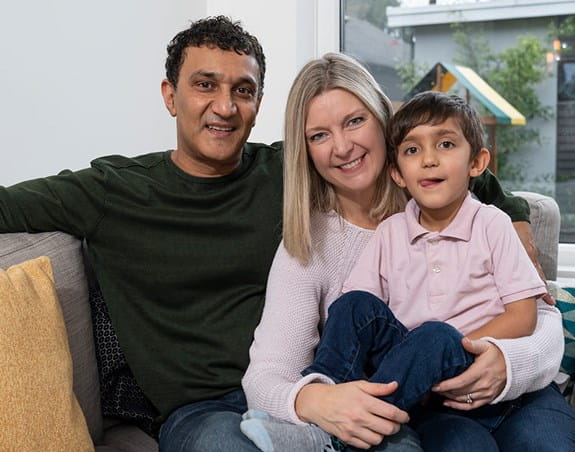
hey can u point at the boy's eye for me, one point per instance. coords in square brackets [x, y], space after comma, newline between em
[446, 145]
[410, 150]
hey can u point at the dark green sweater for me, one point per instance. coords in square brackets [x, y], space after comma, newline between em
[182, 261]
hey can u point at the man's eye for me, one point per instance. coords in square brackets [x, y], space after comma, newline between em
[204, 85]
[245, 91]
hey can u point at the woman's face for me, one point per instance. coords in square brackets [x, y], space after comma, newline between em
[345, 142]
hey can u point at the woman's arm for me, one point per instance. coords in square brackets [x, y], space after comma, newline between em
[284, 344]
[286, 338]
[506, 368]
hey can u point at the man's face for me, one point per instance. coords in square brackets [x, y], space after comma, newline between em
[215, 104]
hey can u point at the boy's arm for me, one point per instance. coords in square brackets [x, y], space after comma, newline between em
[518, 320]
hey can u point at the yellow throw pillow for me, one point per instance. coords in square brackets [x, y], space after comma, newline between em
[38, 409]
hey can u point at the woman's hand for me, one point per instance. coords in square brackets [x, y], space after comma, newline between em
[483, 381]
[351, 411]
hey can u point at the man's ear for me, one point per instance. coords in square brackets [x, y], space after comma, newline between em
[397, 177]
[168, 93]
[480, 163]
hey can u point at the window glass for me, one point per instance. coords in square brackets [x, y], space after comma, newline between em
[524, 52]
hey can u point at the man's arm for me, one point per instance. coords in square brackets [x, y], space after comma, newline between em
[518, 320]
[489, 191]
[70, 202]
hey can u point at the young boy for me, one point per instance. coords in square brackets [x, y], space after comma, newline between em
[448, 266]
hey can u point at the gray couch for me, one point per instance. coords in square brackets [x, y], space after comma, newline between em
[66, 255]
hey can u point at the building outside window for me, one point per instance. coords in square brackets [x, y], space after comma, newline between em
[524, 50]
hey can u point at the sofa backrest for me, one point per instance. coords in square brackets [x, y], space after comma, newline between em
[65, 253]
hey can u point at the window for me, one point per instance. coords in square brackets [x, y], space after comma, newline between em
[523, 50]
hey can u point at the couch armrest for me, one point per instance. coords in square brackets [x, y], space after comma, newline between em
[545, 222]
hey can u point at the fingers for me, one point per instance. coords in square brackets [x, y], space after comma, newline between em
[458, 384]
[475, 347]
[548, 298]
[377, 389]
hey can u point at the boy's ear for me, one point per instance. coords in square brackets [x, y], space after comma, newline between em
[480, 163]
[396, 176]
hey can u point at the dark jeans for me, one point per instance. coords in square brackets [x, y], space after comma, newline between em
[363, 338]
[209, 425]
[538, 421]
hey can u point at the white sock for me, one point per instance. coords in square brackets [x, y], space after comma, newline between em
[276, 435]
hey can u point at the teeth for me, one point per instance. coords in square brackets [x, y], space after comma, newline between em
[221, 129]
[352, 164]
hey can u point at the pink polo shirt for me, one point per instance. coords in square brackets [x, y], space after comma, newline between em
[462, 275]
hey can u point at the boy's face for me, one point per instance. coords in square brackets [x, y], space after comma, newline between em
[435, 166]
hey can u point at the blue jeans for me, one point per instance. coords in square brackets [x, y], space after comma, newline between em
[209, 425]
[537, 421]
[214, 426]
[362, 337]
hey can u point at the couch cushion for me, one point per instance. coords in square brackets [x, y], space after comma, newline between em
[39, 408]
[545, 221]
[71, 287]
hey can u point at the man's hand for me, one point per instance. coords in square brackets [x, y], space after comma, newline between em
[523, 230]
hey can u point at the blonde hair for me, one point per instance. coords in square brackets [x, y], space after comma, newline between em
[305, 191]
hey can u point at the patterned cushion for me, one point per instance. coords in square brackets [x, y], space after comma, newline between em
[566, 304]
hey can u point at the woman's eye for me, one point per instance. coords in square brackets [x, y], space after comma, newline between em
[316, 137]
[355, 121]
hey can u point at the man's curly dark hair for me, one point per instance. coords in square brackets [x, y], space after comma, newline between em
[218, 31]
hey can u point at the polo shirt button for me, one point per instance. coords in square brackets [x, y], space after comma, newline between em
[436, 269]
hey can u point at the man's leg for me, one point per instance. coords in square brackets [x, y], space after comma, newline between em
[543, 422]
[211, 425]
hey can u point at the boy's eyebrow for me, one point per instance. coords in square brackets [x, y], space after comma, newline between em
[444, 131]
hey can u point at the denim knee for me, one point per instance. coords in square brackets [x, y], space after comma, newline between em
[440, 330]
[359, 305]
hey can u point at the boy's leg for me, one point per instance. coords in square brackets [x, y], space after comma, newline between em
[360, 330]
[211, 425]
[428, 354]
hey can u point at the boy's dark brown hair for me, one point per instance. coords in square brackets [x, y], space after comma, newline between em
[434, 107]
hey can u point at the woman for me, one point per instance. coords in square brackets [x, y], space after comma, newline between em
[336, 191]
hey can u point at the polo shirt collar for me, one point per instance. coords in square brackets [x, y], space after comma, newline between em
[459, 228]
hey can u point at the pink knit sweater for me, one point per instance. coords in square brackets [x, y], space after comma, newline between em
[297, 301]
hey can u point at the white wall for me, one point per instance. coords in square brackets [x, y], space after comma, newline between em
[81, 79]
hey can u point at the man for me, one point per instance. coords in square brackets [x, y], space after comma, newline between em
[181, 241]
